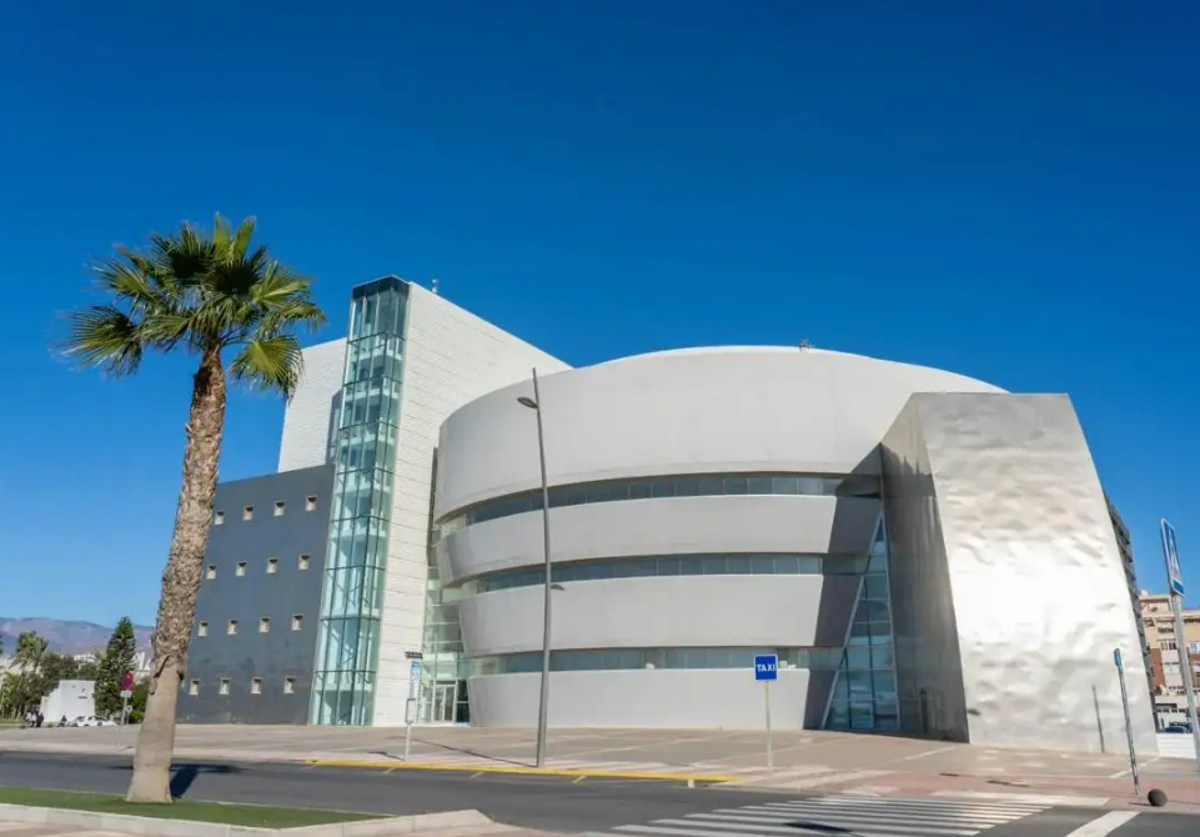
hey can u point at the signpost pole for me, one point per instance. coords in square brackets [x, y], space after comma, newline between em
[1133, 765]
[126, 694]
[410, 706]
[770, 747]
[766, 669]
[1175, 580]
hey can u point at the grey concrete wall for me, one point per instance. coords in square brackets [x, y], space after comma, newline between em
[726, 410]
[282, 652]
[773, 611]
[665, 526]
[725, 698]
[732, 409]
[1039, 596]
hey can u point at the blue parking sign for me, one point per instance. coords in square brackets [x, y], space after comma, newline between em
[766, 667]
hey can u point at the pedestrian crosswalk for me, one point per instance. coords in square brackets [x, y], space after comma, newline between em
[858, 815]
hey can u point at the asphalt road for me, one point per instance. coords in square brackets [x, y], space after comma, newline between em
[561, 804]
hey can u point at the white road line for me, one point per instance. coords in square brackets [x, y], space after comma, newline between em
[1103, 825]
[900, 804]
[849, 820]
[937, 805]
[934, 751]
[1031, 799]
[689, 828]
[949, 804]
[920, 813]
[890, 813]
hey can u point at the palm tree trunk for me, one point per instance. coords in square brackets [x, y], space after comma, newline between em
[181, 583]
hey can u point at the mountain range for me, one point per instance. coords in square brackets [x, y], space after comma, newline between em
[66, 637]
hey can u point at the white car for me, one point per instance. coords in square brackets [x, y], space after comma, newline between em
[92, 721]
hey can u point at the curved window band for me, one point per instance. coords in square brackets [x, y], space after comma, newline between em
[651, 488]
[643, 566]
[624, 659]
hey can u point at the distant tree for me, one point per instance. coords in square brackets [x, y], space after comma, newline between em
[137, 706]
[29, 655]
[55, 669]
[9, 687]
[89, 669]
[117, 660]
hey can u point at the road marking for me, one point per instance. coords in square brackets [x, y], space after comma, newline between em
[916, 815]
[1105, 824]
[692, 828]
[839, 820]
[580, 779]
[934, 751]
[1030, 798]
[860, 816]
[927, 803]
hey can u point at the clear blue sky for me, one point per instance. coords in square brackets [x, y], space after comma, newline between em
[1006, 188]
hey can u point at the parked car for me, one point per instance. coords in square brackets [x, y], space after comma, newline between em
[92, 721]
[1178, 728]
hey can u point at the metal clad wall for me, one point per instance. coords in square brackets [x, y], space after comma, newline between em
[1039, 590]
[282, 652]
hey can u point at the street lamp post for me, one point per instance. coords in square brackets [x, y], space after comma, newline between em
[535, 404]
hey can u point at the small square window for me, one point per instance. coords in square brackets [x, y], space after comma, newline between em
[211, 572]
[256, 686]
[241, 569]
[231, 628]
[194, 688]
[310, 502]
[248, 513]
[289, 685]
[272, 566]
[304, 559]
[264, 625]
[202, 629]
[224, 688]
[297, 621]
[218, 518]
[280, 508]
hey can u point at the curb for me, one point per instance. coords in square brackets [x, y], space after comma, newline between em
[127, 824]
[525, 771]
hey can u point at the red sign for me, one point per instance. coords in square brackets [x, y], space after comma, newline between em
[127, 682]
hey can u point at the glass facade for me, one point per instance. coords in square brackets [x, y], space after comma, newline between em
[740, 563]
[364, 455]
[443, 690]
[649, 488]
[864, 694]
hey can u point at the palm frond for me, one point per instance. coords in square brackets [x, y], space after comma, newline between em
[241, 238]
[269, 362]
[105, 337]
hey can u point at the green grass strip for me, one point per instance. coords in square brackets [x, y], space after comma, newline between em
[259, 816]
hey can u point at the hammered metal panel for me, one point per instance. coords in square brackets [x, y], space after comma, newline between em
[929, 679]
[1038, 590]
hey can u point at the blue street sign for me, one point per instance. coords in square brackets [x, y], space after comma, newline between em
[1171, 553]
[1117, 656]
[766, 667]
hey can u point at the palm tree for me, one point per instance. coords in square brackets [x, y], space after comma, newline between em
[205, 295]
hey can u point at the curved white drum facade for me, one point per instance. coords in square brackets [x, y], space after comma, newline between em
[711, 504]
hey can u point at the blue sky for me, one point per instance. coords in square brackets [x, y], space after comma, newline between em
[1005, 188]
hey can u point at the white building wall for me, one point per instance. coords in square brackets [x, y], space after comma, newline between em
[451, 357]
[308, 418]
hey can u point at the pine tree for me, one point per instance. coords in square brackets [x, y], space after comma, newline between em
[117, 660]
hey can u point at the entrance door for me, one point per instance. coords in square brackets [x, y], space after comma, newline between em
[444, 697]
